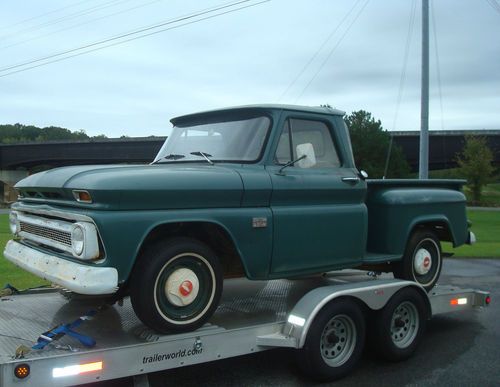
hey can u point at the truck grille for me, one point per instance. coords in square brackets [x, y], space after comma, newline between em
[50, 232]
[46, 232]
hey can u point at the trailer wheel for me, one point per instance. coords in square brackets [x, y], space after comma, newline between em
[177, 285]
[422, 260]
[335, 341]
[399, 326]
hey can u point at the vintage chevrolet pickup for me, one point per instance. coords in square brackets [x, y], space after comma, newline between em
[265, 192]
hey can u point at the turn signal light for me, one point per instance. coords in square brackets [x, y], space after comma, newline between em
[22, 371]
[82, 196]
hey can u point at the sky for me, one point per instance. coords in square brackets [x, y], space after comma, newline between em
[349, 54]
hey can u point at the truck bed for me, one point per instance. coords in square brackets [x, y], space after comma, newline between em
[397, 206]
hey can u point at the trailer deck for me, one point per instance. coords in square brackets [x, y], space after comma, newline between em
[251, 318]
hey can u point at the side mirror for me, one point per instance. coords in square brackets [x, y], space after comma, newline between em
[363, 174]
[306, 150]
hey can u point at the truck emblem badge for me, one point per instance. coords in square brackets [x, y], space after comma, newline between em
[259, 222]
[186, 288]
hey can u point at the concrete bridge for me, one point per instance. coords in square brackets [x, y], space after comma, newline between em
[18, 160]
[444, 145]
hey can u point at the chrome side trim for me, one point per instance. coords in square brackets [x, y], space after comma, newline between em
[47, 211]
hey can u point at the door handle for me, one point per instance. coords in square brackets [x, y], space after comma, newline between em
[352, 180]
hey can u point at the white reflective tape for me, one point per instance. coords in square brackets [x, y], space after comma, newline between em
[296, 320]
[462, 301]
[76, 369]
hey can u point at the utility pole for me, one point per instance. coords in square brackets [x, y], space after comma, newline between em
[423, 170]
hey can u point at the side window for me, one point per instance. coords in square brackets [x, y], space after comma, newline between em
[310, 138]
[283, 152]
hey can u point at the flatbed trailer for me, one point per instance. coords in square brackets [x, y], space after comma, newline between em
[316, 316]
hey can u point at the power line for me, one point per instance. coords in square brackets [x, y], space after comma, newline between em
[62, 19]
[402, 80]
[43, 14]
[139, 37]
[124, 35]
[438, 67]
[80, 24]
[332, 50]
[494, 4]
[304, 68]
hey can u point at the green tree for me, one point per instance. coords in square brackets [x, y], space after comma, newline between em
[371, 143]
[17, 133]
[475, 162]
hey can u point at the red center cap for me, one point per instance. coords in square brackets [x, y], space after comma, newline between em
[185, 288]
[427, 261]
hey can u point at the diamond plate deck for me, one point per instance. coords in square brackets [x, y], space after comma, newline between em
[244, 303]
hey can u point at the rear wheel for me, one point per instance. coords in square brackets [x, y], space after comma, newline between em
[422, 260]
[399, 326]
[335, 341]
[176, 285]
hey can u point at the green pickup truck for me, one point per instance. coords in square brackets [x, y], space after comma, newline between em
[264, 192]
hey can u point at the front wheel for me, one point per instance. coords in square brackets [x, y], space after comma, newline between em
[176, 285]
[335, 341]
[422, 260]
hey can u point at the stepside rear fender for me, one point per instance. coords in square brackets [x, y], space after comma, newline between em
[393, 213]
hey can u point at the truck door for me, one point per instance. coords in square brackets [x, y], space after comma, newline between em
[319, 214]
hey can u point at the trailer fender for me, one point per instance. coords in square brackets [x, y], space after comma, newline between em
[373, 294]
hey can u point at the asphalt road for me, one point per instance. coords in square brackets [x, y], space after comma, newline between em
[460, 349]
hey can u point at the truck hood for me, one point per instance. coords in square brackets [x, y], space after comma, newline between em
[163, 186]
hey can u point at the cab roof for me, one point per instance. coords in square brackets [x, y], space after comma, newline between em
[255, 108]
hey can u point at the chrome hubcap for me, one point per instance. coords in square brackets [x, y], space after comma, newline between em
[181, 287]
[423, 262]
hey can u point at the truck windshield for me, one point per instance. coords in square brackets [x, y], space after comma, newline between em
[238, 140]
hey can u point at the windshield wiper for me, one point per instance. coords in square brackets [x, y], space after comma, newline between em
[171, 156]
[204, 155]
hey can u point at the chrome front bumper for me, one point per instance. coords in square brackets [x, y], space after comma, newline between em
[83, 279]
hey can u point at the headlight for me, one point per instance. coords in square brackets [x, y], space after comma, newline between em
[77, 239]
[13, 223]
[84, 241]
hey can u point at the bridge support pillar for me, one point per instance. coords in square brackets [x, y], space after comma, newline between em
[9, 178]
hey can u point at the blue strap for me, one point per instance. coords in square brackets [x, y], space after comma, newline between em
[66, 329]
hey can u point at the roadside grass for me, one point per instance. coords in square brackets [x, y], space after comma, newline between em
[485, 225]
[9, 273]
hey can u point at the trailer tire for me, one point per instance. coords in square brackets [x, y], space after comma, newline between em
[176, 285]
[334, 342]
[399, 326]
[422, 260]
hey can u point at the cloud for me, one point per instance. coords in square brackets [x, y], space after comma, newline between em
[252, 56]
